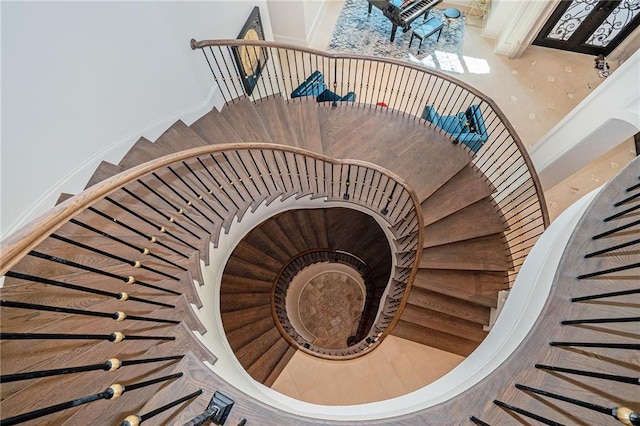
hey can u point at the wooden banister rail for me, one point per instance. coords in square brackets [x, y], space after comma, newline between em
[15, 246]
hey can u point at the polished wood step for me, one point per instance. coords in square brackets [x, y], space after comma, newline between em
[240, 318]
[449, 306]
[262, 368]
[479, 287]
[249, 253]
[465, 188]
[260, 240]
[251, 352]
[245, 268]
[242, 301]
[445, 323]
[142, 151]
[280, 366]
[434, 338]
[104, 171]
[237, 284]
[486, 253]
[275, 117]
[246, 121]
[215, 129]
[305, 123]
[179, 137]
[476, 220]
[242, 336]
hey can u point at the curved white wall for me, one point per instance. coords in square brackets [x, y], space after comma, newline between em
[519, 314]
[82, 81]
[604, 119]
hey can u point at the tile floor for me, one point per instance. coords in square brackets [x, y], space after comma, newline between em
[535, 92]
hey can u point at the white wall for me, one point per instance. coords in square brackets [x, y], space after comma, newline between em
[81, 81]
[604, 119]
[296, 21]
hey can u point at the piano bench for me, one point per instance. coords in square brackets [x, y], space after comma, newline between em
[427, 29]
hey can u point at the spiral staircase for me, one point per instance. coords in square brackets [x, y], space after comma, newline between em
[112, 277]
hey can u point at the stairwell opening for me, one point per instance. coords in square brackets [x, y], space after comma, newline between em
[301, 276]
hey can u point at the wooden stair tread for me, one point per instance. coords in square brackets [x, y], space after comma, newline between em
[245, 120]
[262, 241]
[238, 284]
[179, 137]
[479, 287]
[246, 268]
[450, 306]
[290, 225]
[243, 301]
[275, 117]
[262, 368]
[215, 129]
[142, 151]
[280, 366]
[305, 123]
[421, 156]
[434, 338]
[465, 188]
[237, 319]
[484, 253]
[244, 335]
[251, 352]
[476, 220]
[246, 251]
[104, 171]
[445, 323]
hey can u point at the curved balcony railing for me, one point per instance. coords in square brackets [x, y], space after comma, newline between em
[402, 89]
[279, 305]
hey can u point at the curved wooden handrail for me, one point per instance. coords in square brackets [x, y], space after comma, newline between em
[15, 246]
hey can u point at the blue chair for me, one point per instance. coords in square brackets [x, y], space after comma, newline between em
[312, 86]
[467, 126]
[315, 86]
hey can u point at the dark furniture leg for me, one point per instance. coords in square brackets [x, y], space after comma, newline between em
[394, 28]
